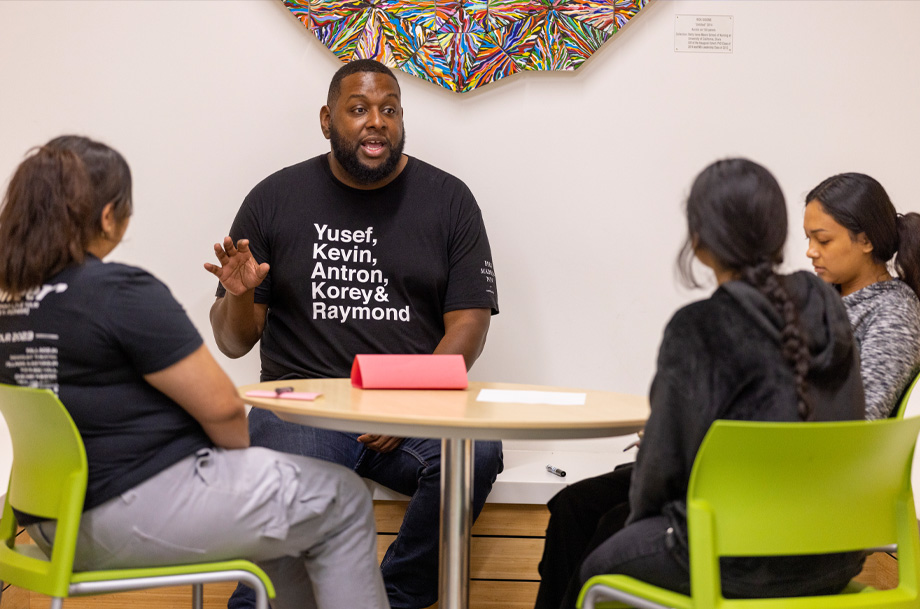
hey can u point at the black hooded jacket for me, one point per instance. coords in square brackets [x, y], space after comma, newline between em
[721, 358]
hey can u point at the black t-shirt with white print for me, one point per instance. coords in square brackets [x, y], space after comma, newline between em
[361, 271]
[90, 333]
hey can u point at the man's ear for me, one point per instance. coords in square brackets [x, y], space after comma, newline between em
[325, 121]
[864, 244]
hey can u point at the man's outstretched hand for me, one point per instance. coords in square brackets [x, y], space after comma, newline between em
[238, 271]
[380, 444]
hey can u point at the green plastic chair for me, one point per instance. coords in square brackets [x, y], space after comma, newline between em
[771, 489]
[48, 480]
[905, 397]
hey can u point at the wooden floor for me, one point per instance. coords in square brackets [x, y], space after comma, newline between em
[880, 571]
[505, 550]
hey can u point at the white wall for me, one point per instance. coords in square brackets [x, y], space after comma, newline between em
[580, 175]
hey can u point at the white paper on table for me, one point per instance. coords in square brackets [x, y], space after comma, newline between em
[510, 396]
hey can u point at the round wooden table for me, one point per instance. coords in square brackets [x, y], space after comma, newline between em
[458, 418]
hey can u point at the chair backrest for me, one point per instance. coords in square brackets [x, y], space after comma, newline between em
[901, 406]
[809, 487]
[48, 480]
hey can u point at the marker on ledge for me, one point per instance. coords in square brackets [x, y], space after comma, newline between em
[555, 470]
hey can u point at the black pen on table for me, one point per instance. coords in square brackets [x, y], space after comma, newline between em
[555, 470]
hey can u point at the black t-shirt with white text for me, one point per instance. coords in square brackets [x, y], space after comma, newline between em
[90, 333]
[361, 271]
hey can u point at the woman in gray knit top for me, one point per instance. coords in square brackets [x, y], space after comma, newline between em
[854, 233]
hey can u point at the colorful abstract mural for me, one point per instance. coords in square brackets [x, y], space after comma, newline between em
[464, 44]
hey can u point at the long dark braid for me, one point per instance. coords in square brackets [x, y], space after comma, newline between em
[737, 213]
[794, 348]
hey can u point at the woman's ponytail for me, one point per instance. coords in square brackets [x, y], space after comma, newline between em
[53, 207]
[907, 258]
[41, 222]
[736, 212]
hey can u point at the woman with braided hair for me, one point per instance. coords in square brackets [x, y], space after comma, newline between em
[853, 234]
[763, 347]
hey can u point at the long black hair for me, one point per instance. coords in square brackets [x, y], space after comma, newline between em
[860, 204]
[736, 211]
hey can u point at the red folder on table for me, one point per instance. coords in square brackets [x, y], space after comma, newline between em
[392, 371]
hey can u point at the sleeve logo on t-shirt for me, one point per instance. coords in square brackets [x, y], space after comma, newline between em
[30, 300]
[489, 274]
[353, 289]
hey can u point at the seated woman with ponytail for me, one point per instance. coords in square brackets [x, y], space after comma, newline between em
[171, 478]
[853, 234]
[763, 348]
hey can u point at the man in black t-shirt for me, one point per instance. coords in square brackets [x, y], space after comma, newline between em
[362, 250]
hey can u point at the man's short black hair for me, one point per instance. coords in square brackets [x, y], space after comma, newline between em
[354, 67]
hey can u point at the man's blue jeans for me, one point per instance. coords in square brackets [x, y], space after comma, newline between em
[410, 566]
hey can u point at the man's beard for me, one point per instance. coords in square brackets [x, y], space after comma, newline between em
[361, 173]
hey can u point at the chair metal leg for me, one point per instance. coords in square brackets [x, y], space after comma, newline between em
[256, 584]
[57, 602]
[600, 593]
[197, 596]
[196, 580]
[261, 597]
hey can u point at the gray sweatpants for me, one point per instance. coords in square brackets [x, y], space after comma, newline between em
[307, 522]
